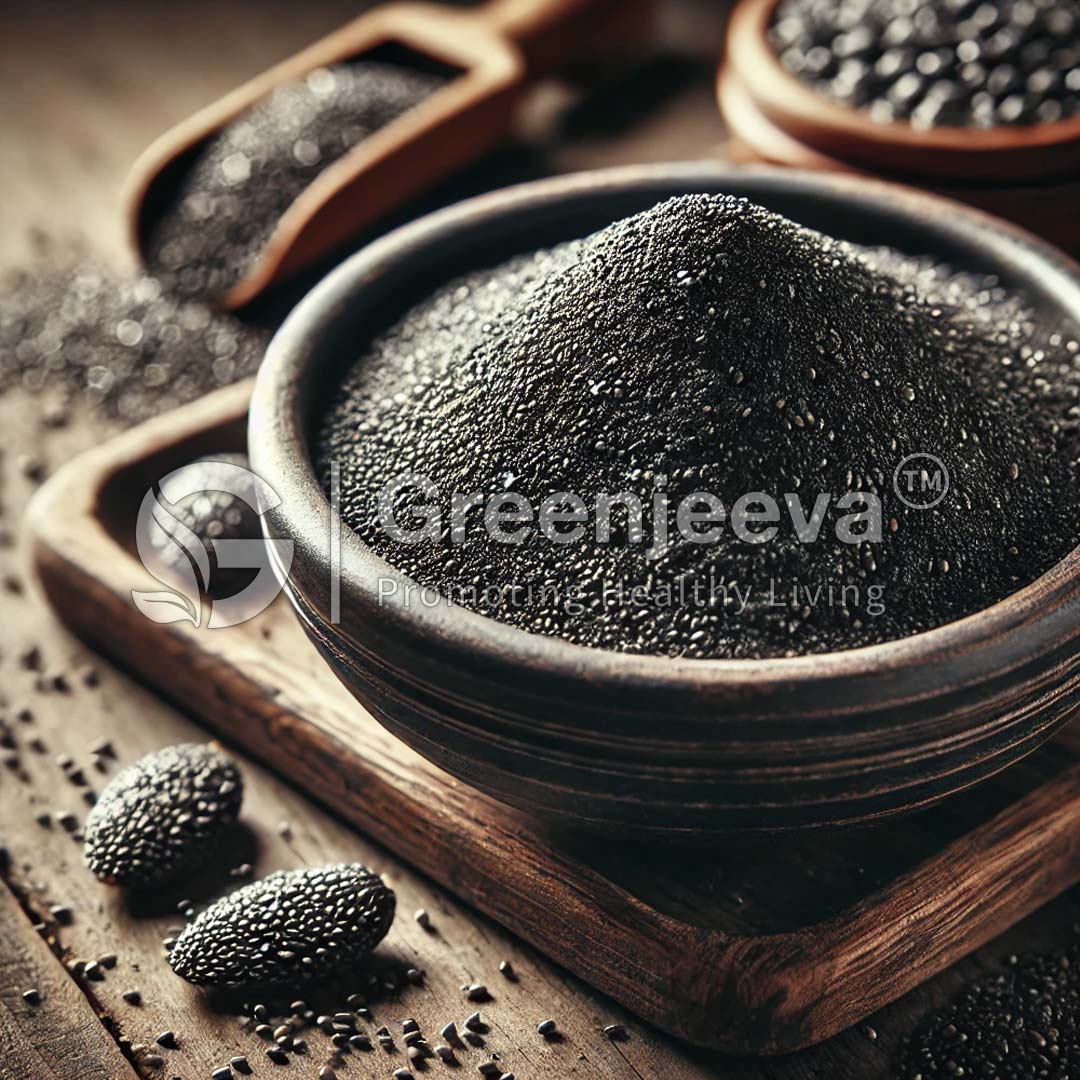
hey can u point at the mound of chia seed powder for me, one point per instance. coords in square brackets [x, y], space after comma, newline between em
[249, 174]
[709, 345]
[955, 63]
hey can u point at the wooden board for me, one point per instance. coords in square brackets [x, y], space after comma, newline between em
[763, 948]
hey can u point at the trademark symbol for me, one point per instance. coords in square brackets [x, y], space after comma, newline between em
[921, 481]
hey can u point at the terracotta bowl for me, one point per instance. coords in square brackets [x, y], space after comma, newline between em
[1026, 173]
[680, 747]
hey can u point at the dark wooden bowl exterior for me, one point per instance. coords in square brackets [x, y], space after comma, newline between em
[679, 747]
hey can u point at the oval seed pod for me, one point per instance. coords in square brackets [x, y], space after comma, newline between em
[162, 815]
[292, 926]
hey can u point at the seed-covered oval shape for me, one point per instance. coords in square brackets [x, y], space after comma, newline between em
[162, 815]
[292, 926]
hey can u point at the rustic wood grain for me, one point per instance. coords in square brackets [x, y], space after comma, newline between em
[943, 882]
[89, 86]
[463, 948]
[59, 1039]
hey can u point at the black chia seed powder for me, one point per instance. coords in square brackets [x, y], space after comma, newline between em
[249, 174]
[951, 63]
[1020, 1024]
[711, 345]
[125, 346]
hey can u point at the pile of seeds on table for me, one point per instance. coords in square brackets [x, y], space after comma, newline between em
[1022, 1023]
[127, 346]
[244, 179]
[312, 927]
[711, 345]
[956, 63]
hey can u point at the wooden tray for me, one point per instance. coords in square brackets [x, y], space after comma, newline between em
[763, 948]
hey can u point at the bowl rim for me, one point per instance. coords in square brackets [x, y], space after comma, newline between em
[278, 448]
[1005, 152]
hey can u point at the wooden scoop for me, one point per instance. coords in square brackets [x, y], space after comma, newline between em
[496, 48]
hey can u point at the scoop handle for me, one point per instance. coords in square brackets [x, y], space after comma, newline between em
[553, 33]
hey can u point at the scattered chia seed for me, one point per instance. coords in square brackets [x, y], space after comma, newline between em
[240, 1064]
[62, 914]
[132, 997]
[277, 1055]
[615, 1032]
[163, 815]
[167, 1039]
[450, 1032]
[104, 748]
[290, 927]
[477, 992]
[473, 1022]
[507, 970]
[971, 63]
[224, 1073]
[247, 175]
[445, 1054]
[710, 344]
[61, 327]
[546, 1028]
[1020, 1023]
[32, 997]
[402, 1074]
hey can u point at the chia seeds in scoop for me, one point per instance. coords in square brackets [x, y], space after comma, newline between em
[950, 63]
[710, 345]
[248, 175]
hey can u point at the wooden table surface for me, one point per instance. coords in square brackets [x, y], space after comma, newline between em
[86, 86]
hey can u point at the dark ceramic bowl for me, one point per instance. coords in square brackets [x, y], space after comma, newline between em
[690, 747]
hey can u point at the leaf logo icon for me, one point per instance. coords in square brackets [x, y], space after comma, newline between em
[165, 607]
[183, 542]
[175, 555]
